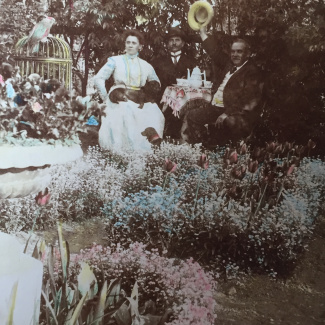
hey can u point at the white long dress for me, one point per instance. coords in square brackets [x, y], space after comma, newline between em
[121, 128]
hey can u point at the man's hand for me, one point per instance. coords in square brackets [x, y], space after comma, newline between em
[203, 33]
[220, 119]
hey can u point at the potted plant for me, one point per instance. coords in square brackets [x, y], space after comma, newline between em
[39, 124]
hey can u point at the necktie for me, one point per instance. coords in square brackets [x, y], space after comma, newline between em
[174, 57]
[233, 69]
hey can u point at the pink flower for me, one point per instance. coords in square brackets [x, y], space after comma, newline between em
[252, 166]
[2, 81]
[290, 169]
[170, 166]
[203, 162]
[36, 107]
[233, 157]
[43, 199]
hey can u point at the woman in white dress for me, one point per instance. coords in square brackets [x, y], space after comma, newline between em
[130, 101]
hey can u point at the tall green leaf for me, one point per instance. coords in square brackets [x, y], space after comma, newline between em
[48, 304]
[99, 313]
[63, 252]
[113, 292]
[77, 311]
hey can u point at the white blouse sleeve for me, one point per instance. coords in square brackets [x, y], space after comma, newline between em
[152, 75]
[103, 74]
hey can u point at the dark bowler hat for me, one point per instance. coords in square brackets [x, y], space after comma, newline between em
[175, 31]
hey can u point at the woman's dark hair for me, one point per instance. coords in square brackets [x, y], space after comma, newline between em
[134, 32]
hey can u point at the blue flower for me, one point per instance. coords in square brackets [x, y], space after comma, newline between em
[10, 90]
[92, 121]
[19, 100]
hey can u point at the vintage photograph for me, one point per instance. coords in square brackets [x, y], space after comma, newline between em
[162, 162]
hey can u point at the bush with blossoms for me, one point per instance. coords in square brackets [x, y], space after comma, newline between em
[238, 208]
[34, 111]
[181, 286]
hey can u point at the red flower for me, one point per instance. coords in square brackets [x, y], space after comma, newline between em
[270, 146]
[203, 162]
[290, 169]
[169, 166]
[233, 157]
[252, 166]
[42, 199]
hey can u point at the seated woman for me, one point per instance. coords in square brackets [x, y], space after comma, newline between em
[130, 101]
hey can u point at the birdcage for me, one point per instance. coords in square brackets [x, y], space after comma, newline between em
[53, 60]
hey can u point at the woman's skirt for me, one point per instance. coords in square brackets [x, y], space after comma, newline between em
[121, 129]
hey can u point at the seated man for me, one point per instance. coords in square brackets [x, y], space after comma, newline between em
[236, 104]
[169, 67]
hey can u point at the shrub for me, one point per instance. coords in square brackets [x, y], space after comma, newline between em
[180, 285]
[246, 210]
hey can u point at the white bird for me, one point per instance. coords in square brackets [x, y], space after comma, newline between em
[39, 33]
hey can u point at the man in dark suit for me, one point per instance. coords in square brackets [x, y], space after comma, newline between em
[169, 67]
[237, 100]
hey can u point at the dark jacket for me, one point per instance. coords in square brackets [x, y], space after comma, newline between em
[168, 72]
[221, 63]
[243, 93]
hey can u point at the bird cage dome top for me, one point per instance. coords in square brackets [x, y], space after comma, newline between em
[51, 59]
[54, 47]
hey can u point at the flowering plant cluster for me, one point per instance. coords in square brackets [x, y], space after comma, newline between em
[182, 286]
[236, 208]
[33, 110]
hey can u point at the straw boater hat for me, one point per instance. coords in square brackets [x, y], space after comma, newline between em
[200, 14]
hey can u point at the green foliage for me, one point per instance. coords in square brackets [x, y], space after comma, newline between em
[246, 211]
[68, 303]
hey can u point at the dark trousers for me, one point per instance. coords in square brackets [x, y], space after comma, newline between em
[173, 124]
[198, 125]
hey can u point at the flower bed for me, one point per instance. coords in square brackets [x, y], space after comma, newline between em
[233, 209]
[180, 285]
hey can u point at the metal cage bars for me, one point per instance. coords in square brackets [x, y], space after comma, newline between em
[53, 60]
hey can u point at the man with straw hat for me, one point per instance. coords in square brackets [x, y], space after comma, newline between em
[237, 101]
[169, 67]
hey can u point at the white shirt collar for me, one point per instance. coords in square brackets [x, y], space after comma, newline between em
[241, 66]
[178, 53]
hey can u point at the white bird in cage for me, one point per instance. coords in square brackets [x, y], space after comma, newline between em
[39, 33]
